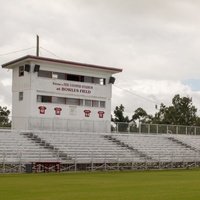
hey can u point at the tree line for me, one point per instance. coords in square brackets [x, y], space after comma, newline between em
[181, 112]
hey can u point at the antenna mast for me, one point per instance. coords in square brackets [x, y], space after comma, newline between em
[37, 46]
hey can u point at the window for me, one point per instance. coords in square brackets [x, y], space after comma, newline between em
[95, 103]
[54, 75]
[72, 101]
[102, 104]
[59, 100]
[44, 99]
[102, 81]
[64, 76]
[58, 75]
[72, 77]
[21, 96]
[21, 71]
[67, 101]
[46, 74]
[96, 80]
[88, 79]
[88, 103]
[81, 102]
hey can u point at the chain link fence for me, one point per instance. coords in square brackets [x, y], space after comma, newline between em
[121, 127]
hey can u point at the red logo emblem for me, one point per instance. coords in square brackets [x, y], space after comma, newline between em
[57, 110]
[87, 113]
[101, 113]
[42, 109]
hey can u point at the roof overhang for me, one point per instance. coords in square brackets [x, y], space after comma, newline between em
[28, 58]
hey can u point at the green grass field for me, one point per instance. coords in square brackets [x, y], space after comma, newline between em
[147, 185]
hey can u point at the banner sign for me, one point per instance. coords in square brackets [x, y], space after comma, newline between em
[75, 88]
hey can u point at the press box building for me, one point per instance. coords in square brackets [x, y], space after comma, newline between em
[52, 94]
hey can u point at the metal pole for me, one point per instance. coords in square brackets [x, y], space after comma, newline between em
[37, 46]
[140, 127]
[75, 167]
[157, 128]
[92, 167]
[118, 160]
[176, 129]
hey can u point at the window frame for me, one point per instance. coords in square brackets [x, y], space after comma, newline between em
[21, 71]
[21, 96]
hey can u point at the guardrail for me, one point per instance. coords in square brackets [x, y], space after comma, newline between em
[121, 127]
[52, 124]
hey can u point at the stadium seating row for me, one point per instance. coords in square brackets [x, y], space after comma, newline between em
[26, 147]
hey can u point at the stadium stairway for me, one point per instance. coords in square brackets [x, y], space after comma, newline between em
[131, 148]
[187, 146]
[16, 148]
[159, 147]
[55, 151]
[89, 147]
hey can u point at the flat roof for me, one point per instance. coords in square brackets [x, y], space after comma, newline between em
[36, 58]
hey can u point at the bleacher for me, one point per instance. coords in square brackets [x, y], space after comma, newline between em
[193, 141]
[26, 147]
[89, 147]
[15, 148]
[160, 147]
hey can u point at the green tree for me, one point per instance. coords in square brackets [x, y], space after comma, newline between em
[141, 115]
[4, 117]
[119, 114]
[120, 120]
[182, 112]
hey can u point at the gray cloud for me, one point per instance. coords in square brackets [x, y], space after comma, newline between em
[151, 40]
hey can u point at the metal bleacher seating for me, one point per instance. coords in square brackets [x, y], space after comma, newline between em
[15, 148]
[193, 141]
[159, 147]
[26, 147]
[89, 147]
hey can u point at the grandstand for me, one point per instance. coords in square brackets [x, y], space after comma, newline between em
[52, 99]
[22, 150]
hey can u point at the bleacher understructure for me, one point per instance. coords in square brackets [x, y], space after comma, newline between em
[96, 151]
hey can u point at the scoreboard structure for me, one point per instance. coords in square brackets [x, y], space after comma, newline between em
[52, 94]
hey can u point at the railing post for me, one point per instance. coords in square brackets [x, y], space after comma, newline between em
[140, 127]
[132, 162]
[148, 128]
[176, 129]
[118, 160]
[93, 126]
[75, 167]
[53, 122]
[92, 163]
[157, 128]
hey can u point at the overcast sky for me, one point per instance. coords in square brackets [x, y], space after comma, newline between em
[156, 42]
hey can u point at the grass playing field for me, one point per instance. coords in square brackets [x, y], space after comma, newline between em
[147, 185]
